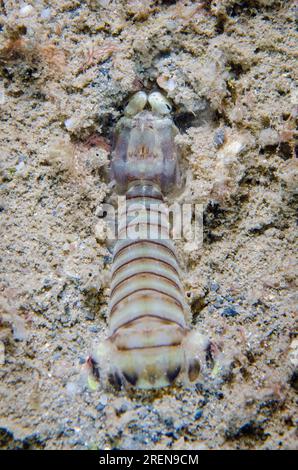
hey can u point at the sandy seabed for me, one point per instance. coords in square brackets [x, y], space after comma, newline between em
[67, 70]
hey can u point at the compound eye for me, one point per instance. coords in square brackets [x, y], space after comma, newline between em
[136, 104]
[159, 103]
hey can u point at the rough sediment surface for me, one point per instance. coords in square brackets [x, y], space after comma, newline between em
[67, 70]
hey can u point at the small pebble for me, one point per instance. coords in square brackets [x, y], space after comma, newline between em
[94, 329]
[219, 137]
[46, 14]
[256, 228]
[69, 124]
[229, 312]
[89, 315]
[293, 355]
[169, 422]
[100, 407]
[104, 399]
[166, 83]
[198, 414]
[214, 286]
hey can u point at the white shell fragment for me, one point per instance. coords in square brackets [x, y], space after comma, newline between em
[268, 137]
[167, 84]
[46, 14]
[136, 104]
[70, 123]
[149, 344]
[293, 353]
[26, 10]
[159, 104]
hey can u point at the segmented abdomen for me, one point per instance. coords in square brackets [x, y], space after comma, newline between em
[147, 310]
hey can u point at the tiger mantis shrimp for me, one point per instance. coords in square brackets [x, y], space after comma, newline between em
[150, 344]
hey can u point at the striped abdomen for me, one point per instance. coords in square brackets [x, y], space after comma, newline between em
[147, 310]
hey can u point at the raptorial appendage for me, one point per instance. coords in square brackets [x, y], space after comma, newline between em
[150, 344]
